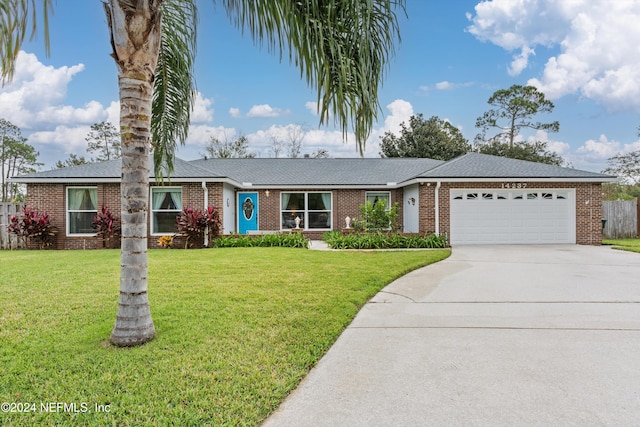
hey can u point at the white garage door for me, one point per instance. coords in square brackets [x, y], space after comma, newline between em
[481, 216]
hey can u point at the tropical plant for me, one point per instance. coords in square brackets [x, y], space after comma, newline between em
[34, 226]
[340, 46]
[107, 226]
[194, 224]
[165, 241]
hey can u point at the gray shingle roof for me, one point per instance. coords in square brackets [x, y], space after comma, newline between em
[315, 172]
[330, 172]
[476, 165]
[111, 170]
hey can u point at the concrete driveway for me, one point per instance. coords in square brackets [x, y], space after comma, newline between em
[494, 335]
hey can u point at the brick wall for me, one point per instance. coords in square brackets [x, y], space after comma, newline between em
[345, 203]
[588, 206]
[52, 198]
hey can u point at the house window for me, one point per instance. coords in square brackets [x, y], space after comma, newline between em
[313, 209]
[82, 205]
[166, 205]
[375, 197]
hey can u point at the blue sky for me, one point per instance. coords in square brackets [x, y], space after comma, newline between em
[582, 54]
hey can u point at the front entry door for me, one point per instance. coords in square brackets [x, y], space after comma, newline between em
[247, 212]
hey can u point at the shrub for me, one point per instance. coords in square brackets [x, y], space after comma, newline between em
[165, 241]
[380, 240]
[33, 226]
[375, 216]
[193, 224]
[107, 226]
[289, 240]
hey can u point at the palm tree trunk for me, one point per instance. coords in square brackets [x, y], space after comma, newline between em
[135, 39]
[133, 322]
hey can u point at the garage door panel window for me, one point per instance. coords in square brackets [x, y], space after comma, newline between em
[512, 216]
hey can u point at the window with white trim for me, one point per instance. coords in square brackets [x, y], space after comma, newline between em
[82, 207]
[166, 205]
[314, 210]
[377, 196]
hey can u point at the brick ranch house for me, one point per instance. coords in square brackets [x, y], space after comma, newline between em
[474, 198]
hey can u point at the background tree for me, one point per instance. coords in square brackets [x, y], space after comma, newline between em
[16, 158]
[340, 46]
[625, 166]
[513, 111]
[277, 145]
[226, 149]
[73, 160]
[295, 136]
[104, 139]
[321, 153]
[521, 150]
[433, 138]
[9, 133]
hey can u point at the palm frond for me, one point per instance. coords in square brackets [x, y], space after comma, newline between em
[174, 84]
[15, 16]
[342, 48]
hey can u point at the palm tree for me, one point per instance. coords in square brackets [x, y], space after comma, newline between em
[340, 46]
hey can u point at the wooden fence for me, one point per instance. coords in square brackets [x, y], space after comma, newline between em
[622, 219]
[8, 241]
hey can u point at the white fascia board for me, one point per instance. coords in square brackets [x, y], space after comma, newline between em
[511, 179]
[117, 180]
[302, 187]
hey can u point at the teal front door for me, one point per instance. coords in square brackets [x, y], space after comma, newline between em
[247, 212]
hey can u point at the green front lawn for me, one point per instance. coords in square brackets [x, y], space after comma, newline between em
[237, 329]
[631, 245]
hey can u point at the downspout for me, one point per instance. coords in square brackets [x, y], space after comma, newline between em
[437, 208]
[206, 204]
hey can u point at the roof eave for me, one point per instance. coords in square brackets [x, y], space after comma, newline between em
[518, 179]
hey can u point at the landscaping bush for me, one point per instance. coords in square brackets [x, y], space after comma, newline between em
[107, 226]
[375, 216]
[193, 224]
[288, 240]
[380, 240]
[33, 226]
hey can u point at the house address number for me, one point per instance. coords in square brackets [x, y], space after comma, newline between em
[514, 185]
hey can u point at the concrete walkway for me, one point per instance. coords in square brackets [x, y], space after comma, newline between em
[492, 336]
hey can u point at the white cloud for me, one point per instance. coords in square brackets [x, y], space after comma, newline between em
[202, 111]
[559, 147]
[35, 95]
[401, 111]
[235, 112]
[520, 61]
[265, 110]
[312, 106]
[446, 85]
[67, 139]
[597, 39]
